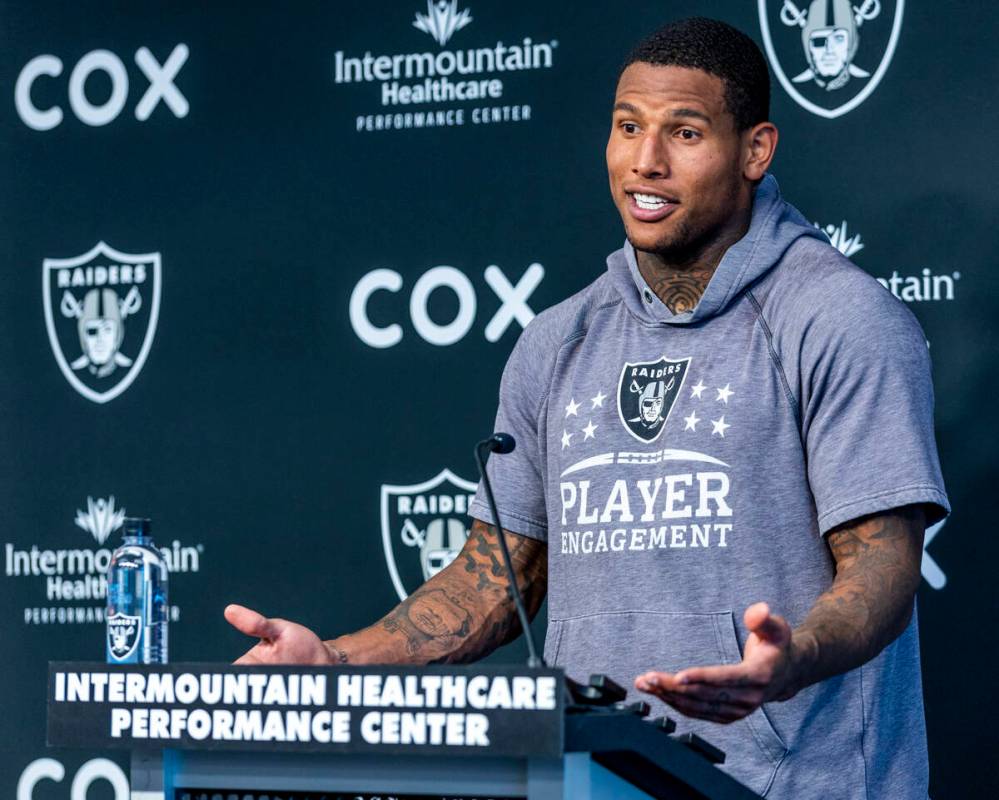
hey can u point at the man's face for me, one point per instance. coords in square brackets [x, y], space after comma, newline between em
[652, 407]
[100, 337]
[673, 158]
[830, 49]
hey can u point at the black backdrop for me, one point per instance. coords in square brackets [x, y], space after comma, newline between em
[261, 428]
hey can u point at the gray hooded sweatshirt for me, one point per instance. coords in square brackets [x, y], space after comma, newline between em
[682, 467]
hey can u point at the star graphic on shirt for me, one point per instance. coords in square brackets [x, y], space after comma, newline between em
[598, 400]
[691, 421]
[725, 394]
[588, 430]
[572, 409]
[695, 391]
[718, 426]
[566, 436]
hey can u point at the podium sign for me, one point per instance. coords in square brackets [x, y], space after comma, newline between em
[494, 711]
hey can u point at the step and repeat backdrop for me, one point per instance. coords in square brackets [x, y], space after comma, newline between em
[263, 264]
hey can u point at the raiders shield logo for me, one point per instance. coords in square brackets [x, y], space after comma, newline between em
[829, 55]
[123, 635]
[424, 527]
[101, 310]
[646, 393]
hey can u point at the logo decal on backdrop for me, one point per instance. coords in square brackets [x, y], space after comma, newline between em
[101, 519]
[101, 310]
[840, 238]
[926, 286]
[513, 298]
[830, 49]
[73, 577]
[160, 78]
[442, 20]
[430, 89]
[646, 393]
[424, 527]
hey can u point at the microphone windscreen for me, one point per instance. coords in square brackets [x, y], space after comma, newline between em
[503, 443]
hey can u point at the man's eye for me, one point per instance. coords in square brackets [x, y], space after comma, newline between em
[629, 127]
[687, 133]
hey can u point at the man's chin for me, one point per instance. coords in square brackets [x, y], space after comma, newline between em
[653, 241]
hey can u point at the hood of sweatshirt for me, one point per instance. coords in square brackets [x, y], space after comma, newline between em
[774, 226]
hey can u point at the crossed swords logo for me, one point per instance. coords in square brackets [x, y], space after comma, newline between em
[74, 309]
[792, 16]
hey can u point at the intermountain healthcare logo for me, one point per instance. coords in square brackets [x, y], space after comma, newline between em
[830, 48]
[76, 577]
[424, 527]
[840, 238]
[442, 20]
[926, 286]
[101, 310]
[101, 519]
[426, 89]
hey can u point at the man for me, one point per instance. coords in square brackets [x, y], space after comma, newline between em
[784, 454]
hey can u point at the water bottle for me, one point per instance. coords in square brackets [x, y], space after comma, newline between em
[137, 599]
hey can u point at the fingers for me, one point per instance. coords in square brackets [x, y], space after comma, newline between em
[250, 622]
[740, 691]
[765, 625]
[711, 710]
[735, 675]
[733, 697]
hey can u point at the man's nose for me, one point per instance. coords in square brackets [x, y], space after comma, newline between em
[651, 158]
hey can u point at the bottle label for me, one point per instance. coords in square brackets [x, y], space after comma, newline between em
[123, 636]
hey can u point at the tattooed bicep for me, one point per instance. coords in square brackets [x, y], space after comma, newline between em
[482, 552]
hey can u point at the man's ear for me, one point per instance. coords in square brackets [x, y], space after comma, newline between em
[760, 146]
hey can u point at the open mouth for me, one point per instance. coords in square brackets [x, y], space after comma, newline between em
[647, 207]
[649, 202]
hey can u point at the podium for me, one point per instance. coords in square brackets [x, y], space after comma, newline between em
[220, 732]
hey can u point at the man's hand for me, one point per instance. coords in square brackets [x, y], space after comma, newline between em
[867, 607]
[281, 642]
[730, 692]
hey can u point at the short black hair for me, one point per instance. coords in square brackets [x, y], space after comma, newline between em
[718, 49]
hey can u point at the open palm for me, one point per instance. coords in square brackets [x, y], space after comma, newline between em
[281, 641]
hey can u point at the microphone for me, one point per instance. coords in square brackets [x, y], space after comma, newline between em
[505, 443]
[499, 443]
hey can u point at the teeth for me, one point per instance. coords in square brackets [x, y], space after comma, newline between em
[648, 202]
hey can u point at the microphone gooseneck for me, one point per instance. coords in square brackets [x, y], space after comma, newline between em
[505, 443]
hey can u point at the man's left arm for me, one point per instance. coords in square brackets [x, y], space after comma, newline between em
[867, 607]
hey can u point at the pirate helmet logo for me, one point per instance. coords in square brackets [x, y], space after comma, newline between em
[827, 38]
[646, 393]
[123, 635]
[424, 527]
[101, 310]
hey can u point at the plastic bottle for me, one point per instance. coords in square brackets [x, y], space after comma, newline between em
[137, 611]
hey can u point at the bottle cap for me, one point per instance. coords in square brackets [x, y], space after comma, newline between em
[138, 526]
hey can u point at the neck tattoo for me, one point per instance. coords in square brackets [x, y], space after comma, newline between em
[681, 290]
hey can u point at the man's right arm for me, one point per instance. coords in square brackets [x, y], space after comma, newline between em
[461, 614]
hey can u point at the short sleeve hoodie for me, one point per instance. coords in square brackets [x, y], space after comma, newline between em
[682, 467]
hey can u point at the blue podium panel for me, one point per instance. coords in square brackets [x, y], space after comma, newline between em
[207, 776]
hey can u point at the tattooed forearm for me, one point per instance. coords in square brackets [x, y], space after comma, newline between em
[463, 612]
[870, 601]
